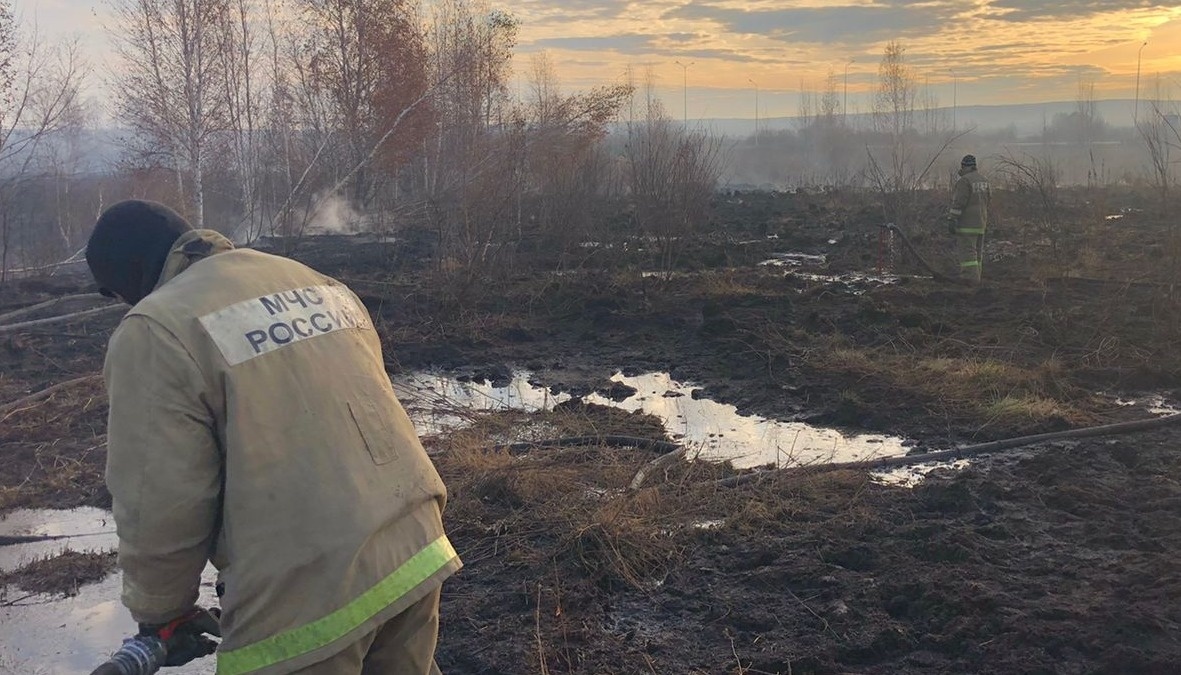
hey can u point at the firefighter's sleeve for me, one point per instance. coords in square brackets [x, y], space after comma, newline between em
[163, 469]
[959, 198]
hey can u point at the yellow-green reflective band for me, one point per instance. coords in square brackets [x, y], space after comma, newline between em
[336, 625]
[970, 230]
[956, 212]
[970, 263]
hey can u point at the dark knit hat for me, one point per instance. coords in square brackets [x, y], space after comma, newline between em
[968, 160]
[128, 246]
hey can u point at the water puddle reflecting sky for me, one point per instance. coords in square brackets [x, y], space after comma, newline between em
[714, 431]
[85, 529]
[814, 268]
[51, 635]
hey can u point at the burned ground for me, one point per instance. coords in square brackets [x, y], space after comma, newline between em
[1042, 563]
[1054, 560]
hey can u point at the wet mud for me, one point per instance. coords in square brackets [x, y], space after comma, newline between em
[1060, 560]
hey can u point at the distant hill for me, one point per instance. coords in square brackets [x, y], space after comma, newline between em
[1025, 118]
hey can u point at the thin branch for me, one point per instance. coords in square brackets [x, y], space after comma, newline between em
[25, 311]
[52, 321]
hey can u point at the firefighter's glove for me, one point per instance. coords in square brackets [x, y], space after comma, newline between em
[952, 225]
[186, 637]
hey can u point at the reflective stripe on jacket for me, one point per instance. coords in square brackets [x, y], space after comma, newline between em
[252, 424]
[969, 202]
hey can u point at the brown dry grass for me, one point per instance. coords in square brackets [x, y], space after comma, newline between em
[570, 509]
[61, 574]
[53, 451]
[729, 284]
[986, 390]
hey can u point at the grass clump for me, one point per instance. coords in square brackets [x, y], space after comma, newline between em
[61, 574]
[975, 391]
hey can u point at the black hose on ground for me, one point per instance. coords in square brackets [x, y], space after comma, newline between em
[936, 274]
[580, 441]
[14, 539]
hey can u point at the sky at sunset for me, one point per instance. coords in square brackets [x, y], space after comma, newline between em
[977, 51]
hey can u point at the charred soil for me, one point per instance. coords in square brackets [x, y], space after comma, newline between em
[1053, 560]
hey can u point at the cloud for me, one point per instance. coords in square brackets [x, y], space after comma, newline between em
[884, 19]
[549, 12]
[628, 44]
[1033, 10]
[670, 45]
[727, 55]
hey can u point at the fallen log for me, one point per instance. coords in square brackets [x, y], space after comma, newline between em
[54, 302]
[54, 320]
[964, 451]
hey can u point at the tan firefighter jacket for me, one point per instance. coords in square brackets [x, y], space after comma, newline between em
[969, 202]
[252, 424]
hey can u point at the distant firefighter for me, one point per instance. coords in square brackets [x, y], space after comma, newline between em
[968, 218]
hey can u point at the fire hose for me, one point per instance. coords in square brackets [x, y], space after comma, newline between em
[142, 655]
[936, 274]
[171, 644]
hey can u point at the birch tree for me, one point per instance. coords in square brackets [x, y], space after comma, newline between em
[900, 168]
[893, 116]
[471, 49]
[171, 86]
[39, 97]
[242, 74]
[367, 60]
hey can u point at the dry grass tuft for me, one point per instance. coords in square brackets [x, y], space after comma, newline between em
[1032, 408]
[63, 573]
[985, 390]
[728, 284]
[569, 510]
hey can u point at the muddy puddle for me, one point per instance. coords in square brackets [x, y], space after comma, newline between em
[55, 635]
[813, 268]
[714, 431]
[794, 259]
[1154, 404]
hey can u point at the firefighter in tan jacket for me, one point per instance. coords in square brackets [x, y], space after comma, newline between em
[967, 219]
[252, 425]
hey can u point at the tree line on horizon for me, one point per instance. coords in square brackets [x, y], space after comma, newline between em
[285, 117]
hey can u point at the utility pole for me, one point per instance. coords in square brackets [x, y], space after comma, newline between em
[845, 107]
[685, 90]
[1136, 105]
[756, 84]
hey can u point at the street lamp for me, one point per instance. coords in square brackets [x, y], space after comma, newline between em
[845, 107]
[756, 84]
[1136, 105]
[685, 89]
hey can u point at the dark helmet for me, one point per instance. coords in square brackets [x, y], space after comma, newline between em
[127, 248]
[968, 161]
